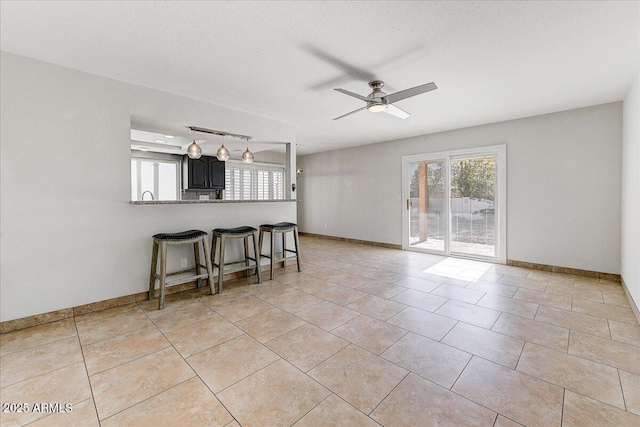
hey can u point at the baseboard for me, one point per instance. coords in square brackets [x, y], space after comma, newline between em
[54, 316]
[632, 303]
[346, 239]
[565, 270]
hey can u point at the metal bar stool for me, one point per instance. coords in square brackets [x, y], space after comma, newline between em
[282, 228]
[222, 234]
[160, 243]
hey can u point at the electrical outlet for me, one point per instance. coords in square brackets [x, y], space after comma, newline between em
[397, 196]
[326, 226]
[183, 263]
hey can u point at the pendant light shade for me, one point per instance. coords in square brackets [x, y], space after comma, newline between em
[194, 151]
[247, 156]
[222, 154]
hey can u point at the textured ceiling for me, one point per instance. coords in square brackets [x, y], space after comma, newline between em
[492, 61]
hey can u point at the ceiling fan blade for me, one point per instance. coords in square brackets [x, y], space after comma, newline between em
[348, 69]
[355, 95]
[354, 111]
[407, 93]
[395, 111]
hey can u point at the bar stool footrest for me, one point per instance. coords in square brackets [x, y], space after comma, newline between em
[233, 267]
[278, 256]
[185, 279]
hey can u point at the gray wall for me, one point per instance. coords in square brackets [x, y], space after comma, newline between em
[69, 235]
[563, 186]
[631, 192]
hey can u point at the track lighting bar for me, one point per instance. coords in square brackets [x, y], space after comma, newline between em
[219, 132]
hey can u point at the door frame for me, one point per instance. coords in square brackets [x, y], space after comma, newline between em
[500, 151]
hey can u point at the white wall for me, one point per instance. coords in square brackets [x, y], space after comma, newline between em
[271, 157]
[68, 234]
[563, 186]
[631, 192]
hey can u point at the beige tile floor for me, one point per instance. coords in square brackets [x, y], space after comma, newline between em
[364, 336]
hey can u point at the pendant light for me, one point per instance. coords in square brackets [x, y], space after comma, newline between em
[194, 151]
[247, 156]
[223, 153]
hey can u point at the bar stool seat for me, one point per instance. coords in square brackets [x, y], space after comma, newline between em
[176, 237]
[282, 228]
[244, 232]
[161, 242]
[235, 231]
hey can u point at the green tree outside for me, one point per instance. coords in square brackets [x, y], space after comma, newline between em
[472, 178]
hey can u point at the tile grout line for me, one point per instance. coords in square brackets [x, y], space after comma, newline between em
[245, 377]
[314, 407]
[40, 375]
[38, 345]
[449, 331]
[524, 344]
[86, 370]
[392, 390]
[148, 398]
[325, 387]
[624, 400]
[564, 394]
[460, 374]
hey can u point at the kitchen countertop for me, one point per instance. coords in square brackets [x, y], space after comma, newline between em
[190, 202]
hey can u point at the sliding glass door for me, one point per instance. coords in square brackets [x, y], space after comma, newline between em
[455, 203]
[472, 201]
[427, 219]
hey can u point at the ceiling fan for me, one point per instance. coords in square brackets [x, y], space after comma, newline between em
[378, 101]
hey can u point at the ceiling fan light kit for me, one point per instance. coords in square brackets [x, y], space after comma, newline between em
[377, 107]
[378, 101]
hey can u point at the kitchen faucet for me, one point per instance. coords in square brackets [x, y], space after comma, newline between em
[145, 192]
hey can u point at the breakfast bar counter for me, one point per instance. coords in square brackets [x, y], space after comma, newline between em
[191, 202]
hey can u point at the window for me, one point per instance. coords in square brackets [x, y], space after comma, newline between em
[155, 178]
[253, 182]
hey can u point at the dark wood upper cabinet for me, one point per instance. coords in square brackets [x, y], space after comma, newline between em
[216, 173]
[204, 173]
